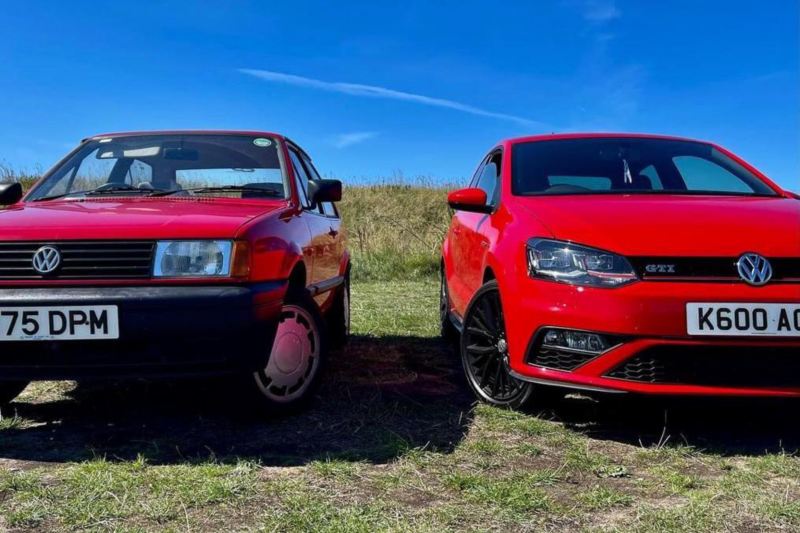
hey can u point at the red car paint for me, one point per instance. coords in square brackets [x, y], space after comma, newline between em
[647, 314]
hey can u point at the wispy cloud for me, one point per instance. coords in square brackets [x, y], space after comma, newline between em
[344, 140]
[372, 91]
[597, 11]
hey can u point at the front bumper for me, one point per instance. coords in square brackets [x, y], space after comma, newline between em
[655, 354]
[164, 331]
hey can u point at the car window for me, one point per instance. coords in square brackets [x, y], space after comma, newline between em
[324, 208]
[704, 175]
[489, 179]
[172, 162]
[650, 173]
[628, 165]
[594, 183]
[138, 173]
[301, 177]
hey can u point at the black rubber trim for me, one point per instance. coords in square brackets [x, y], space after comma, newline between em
[326, 285]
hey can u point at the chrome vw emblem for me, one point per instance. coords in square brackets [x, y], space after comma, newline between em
[46, 259]
[754, 269]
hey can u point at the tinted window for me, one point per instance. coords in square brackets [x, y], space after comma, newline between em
[703, 175]
[628, 165]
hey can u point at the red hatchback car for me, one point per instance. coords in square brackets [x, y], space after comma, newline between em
[171, 254]
[623, 263]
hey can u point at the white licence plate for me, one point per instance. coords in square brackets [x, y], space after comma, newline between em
[761, 320]
[59, 323]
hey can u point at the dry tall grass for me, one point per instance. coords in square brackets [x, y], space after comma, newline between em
[394, 229]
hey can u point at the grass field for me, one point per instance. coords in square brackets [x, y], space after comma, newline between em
[393, 442]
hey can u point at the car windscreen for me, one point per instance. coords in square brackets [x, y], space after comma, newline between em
[628, 165]
[214, 164]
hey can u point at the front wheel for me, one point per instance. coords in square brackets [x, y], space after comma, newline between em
[484, 352]
[294, 368]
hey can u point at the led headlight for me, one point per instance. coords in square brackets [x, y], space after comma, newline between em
[577, 265]
[193, 259]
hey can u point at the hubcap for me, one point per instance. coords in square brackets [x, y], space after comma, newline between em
[294, 359]
[485, 350]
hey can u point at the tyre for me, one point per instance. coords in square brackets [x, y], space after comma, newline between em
[484, 352]
[339, 316]
[10, 390]
[446, 328]
[298, 354]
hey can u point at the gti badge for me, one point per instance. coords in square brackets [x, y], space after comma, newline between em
[754, 269]
[660, 269]
[46, 259]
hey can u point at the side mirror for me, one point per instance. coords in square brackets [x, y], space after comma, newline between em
[10, 193]
[324, 191]
[470, 199]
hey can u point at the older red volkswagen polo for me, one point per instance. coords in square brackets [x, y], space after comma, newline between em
[171, 254]
[623, 263]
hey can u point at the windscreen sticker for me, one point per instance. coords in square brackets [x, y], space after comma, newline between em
[262, 142]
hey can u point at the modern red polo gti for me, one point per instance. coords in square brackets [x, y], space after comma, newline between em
[173, 254]
[623, 263]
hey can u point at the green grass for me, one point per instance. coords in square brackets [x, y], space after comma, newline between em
[392, 443]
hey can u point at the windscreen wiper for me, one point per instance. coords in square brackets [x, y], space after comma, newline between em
[103, 189]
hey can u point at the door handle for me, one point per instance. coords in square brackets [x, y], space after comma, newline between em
[333, 232]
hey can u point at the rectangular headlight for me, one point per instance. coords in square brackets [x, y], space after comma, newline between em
[176, 259]
[577, 265]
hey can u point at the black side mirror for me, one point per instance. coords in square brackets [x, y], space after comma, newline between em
[324, 191]
[10, 193]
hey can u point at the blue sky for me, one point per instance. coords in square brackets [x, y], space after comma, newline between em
[376, 89]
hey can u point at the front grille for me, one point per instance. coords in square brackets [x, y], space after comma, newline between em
[733, 366]
[80, 260]
[714, 268]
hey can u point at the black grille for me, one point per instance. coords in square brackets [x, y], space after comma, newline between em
[80, 260]
[777, 366]
[722, 268]
[557, 359]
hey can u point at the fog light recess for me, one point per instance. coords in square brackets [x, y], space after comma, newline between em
[565, 349]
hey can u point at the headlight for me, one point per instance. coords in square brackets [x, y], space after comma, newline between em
[577, 265]
[193, 259]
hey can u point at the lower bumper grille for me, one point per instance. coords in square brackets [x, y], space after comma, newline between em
[559, 360]
[777, 367]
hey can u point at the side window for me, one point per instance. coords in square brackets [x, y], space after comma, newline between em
[301, 177]
[489, 179]
[703, 175]
[651, 174]
[139, 173]
[325, 208]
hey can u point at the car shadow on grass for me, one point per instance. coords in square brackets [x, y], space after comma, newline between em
[723, 426]
[381, 397]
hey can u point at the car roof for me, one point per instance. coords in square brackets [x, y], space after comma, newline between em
[249, 133]
[596, 135]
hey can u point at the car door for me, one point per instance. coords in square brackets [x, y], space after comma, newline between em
[324, 229]
[333, 244]
[470, 244]
[311, 249]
